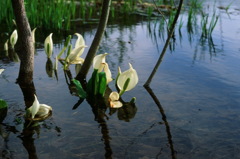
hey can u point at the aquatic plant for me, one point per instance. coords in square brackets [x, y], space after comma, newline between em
[74, 56]
[114, 100]
[39, 110]
[13, 38]
[48, 46]
[99, 64]
[33, 34]
[97, 84]
[41, 13]
[207, 28]
[127, 80]
[6, 46]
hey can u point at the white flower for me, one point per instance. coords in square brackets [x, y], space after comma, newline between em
[108, 72]
[6, 46]
[128, 79]
[99, 63]
[13, 38]
[74, 56]
[39, 109]
[114, 100]
[33, 34]
[35, 107]
[80, 41]
[98, 60]
[48, 45]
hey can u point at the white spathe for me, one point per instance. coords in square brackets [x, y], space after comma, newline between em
[33, 34]
[98, 60]
[74, 56]
[35, 107]
[80, 41]
[6, 46]
[114, 100]
[108, 72]
[48, 45]
[13, 38]
[131, 73]
[39, 109]
[99, 63]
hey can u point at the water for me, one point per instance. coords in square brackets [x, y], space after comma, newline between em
[198, 90]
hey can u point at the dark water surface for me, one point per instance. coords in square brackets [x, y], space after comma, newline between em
[198, 86]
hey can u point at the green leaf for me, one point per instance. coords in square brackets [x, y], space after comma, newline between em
[80, 90]
[3, 104]
[65, 46]
[67, 41]
[95, 81]
[48, 50]
[102, 83]
[66, 59]
[91, 86]
[133, 100]
[126, 84]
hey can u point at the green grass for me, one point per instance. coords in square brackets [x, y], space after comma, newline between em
[43, 13]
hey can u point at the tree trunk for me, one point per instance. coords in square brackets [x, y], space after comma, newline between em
[96, 41]
[26, 50]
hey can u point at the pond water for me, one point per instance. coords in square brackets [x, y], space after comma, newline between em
[195, 115]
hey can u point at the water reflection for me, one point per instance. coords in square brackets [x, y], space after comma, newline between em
[9, 55]
[4, 132]
[164, 118]
[30, 129]
[49, 67]
[99, 107]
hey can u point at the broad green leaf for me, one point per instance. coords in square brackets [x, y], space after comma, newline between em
[80, 90]
[95, 81]
[102, 83]
[90, 86]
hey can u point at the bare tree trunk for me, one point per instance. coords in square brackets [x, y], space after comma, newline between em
[96, 41]
[26, 51]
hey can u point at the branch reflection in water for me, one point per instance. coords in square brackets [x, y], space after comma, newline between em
[164, 118]
[30, 128]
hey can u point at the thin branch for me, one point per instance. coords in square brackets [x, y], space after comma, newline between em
[166, 44]
[96, 41]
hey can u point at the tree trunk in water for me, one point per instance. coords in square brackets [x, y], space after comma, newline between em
[26, 51]
[96, 41]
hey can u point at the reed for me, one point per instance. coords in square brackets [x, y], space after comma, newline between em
[42, 13]
[208, 27]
